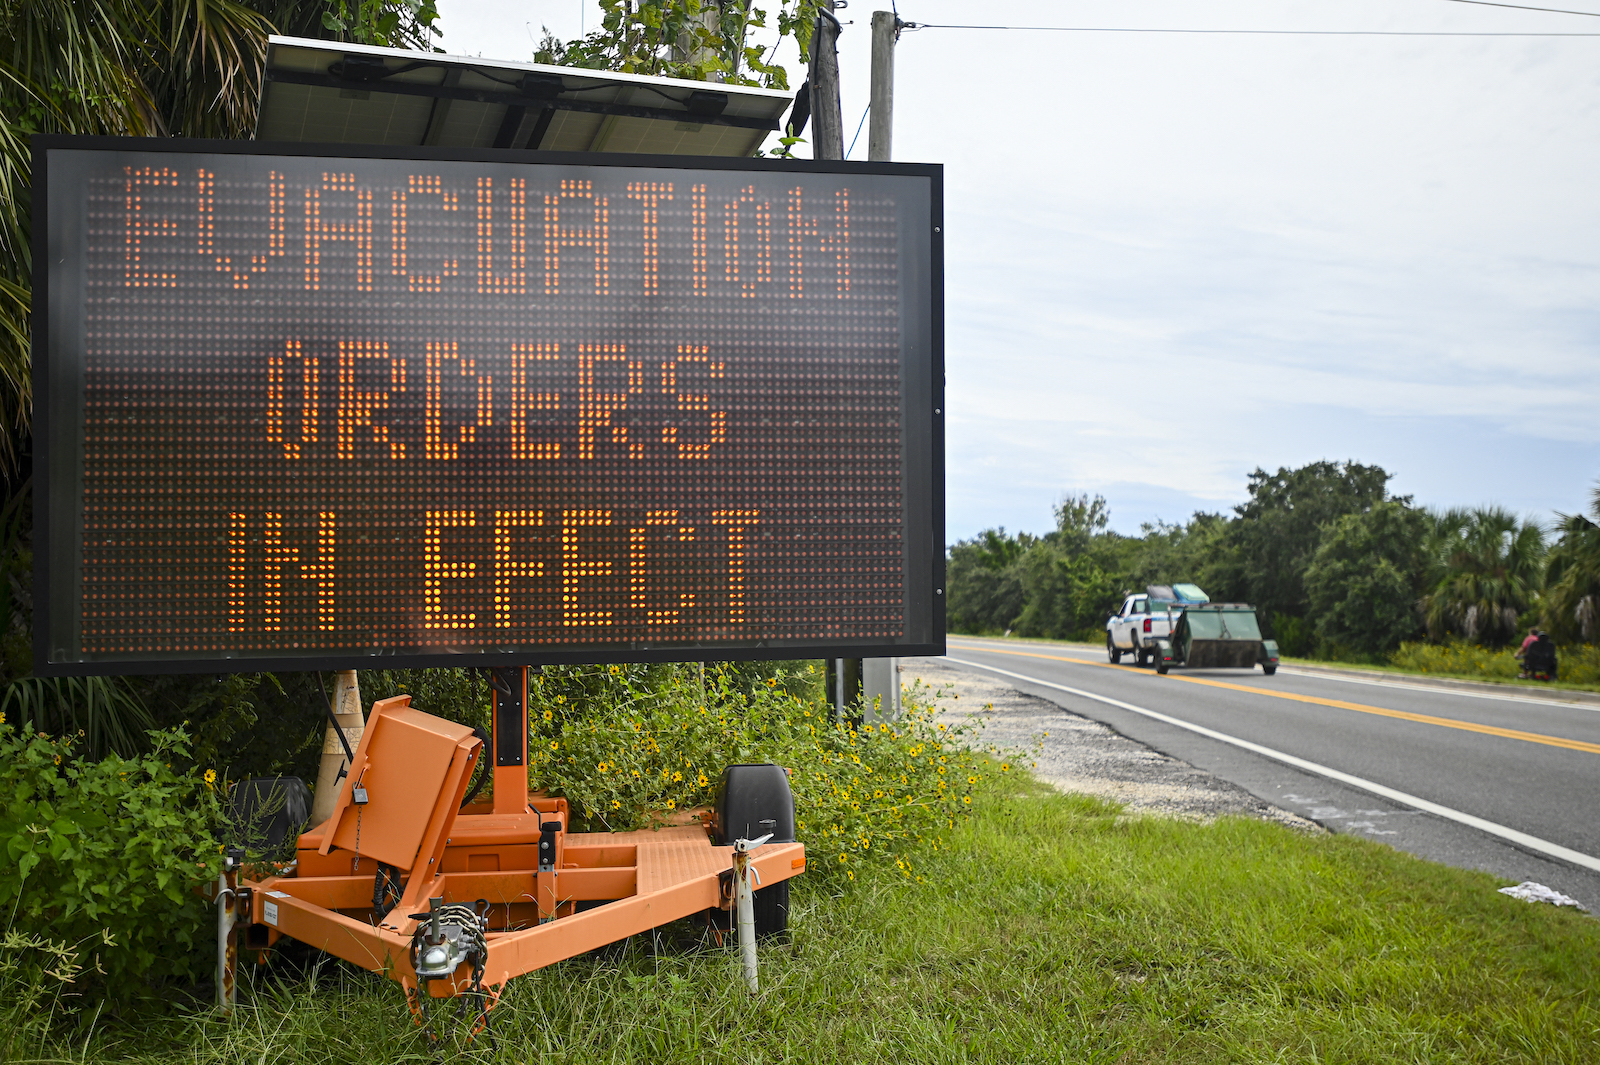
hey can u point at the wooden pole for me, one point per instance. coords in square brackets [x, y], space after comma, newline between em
[347, 711]
[880, 119]
[827, 120]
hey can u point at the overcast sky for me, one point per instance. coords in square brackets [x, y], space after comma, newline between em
[1174, 258]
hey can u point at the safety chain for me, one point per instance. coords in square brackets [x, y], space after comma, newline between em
[473, 925]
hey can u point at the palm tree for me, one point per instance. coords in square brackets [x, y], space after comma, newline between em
[1486, 570]
[1572, 590]
[182, 68]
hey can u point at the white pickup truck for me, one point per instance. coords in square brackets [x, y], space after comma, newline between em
[1146, 616]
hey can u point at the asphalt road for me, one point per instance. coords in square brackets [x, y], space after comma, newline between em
[1481, 781]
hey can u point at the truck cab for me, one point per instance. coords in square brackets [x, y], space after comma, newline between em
[1145, 617]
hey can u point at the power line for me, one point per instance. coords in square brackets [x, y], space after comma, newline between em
[857, 137]
[1525, 7]
[1258, 33]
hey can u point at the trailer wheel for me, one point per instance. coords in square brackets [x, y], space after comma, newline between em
[753, 800]
[1113, 652]
[1269, 670]
[1161, 665]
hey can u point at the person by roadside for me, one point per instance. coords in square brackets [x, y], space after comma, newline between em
[1522, 652]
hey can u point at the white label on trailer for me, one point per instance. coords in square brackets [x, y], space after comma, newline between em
[269, 911]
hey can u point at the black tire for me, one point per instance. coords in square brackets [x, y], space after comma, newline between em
[770, 906]
[1161, 666]
[1113, 652]
[1269, 670]
[1141, 657]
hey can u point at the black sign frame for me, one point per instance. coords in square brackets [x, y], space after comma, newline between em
[54, 491]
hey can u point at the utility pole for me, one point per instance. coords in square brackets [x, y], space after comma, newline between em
[880, 677]
[827, 119]
[843, 675]
[688, 49]
[880, 117]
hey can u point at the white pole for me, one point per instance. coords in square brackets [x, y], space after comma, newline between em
[744, 900]
[227, 942]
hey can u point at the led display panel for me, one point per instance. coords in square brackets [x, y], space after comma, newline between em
[304, 410]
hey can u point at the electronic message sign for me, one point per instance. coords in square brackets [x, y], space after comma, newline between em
[317, 407]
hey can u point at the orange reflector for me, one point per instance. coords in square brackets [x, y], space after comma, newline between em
[798, 863]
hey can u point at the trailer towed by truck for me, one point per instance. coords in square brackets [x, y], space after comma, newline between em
[1176, 625]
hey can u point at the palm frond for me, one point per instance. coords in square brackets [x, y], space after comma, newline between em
[110, 717]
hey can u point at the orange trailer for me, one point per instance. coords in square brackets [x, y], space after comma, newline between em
[450, 900]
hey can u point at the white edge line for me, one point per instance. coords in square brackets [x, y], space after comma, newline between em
[1544, 846]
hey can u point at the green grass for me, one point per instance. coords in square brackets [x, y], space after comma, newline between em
[1051, 929]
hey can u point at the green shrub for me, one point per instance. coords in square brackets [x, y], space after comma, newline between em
[1578, 664]
[106, 854]
[632, 745]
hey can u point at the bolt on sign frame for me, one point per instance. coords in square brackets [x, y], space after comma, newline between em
[333, 407]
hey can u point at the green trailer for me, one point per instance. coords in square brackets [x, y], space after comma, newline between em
[1217, 636]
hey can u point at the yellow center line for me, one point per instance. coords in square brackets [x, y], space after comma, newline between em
[1360, 708]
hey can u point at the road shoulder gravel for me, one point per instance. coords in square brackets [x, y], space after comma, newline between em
[1075, 754]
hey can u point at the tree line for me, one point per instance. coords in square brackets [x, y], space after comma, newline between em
[1336, 566]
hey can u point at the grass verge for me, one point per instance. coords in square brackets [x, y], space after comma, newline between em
[1050, 929]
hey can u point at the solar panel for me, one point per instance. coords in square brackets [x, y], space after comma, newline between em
[334, 93]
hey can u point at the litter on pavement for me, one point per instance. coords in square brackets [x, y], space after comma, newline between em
[1528, 891]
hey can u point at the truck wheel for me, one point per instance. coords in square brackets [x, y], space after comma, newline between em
[1141, 657]
[1113, 652]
